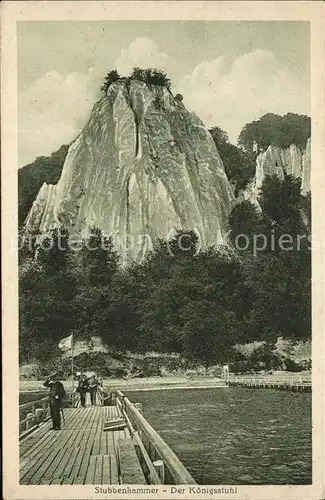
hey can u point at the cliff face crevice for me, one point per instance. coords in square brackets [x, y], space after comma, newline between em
[142, 167]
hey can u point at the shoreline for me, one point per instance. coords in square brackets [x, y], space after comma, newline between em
[156, 383]
[136, 384]
[173, 387]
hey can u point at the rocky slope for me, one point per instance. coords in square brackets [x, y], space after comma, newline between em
[142, 167]
[278, 161]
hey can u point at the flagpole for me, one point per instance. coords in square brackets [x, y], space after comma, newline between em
[72, 362]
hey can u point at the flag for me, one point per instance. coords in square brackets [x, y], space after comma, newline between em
[66, 343]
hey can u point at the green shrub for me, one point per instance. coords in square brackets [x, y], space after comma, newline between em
[111, 77]
[293, 366]
[151, 76]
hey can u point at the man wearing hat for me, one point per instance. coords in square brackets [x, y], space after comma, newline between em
[83, 388]
[57, 394]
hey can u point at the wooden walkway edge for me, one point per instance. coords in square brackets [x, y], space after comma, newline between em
[84, 452]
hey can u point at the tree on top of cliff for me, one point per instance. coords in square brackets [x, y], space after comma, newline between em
[219, 136]
[276, 130]
[111, 77]
[151, 76]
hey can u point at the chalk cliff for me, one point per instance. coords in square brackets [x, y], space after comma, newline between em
[290, 161]
[142, 167]
[278, 161]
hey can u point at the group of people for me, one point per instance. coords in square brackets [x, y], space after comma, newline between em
[90, 385]
[57, 393]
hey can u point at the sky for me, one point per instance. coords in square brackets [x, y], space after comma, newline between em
[230, 73]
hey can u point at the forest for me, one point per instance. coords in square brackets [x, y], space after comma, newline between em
[197, 303]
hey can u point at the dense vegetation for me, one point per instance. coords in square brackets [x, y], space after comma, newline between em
[150, 76]
[239, 163]
[199, 305]
[31, 177]
[277, 130]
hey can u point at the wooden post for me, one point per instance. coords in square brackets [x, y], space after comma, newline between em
[45, 407]
[113, 398]
[138, 406]
[160, 469]
[29, 421]
[39, 415]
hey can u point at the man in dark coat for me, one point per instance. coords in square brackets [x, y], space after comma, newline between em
[82, 388]
[57, 394]
[93, 385]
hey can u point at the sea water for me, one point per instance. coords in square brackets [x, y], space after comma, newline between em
[235, 435]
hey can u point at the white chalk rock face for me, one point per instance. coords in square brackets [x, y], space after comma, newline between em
[290, 161]
[306, 169]
[142, 168]
[280, 162]
[39, 215]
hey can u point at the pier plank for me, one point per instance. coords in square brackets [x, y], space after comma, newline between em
[37, 459]
[81, 459]
[90, 476]
[64, 451]
[40, 438]
[39, 448]
[98, 436]
[106, 470]
[34, 475]
[66, 444]
[82, 452]
[131, 472]
[69, 457]
[85, 459]
[114, 476]
[99, 470]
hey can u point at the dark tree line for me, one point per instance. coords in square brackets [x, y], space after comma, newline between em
[281, 131]
[197, 304]
[239, 164]
[278, 278]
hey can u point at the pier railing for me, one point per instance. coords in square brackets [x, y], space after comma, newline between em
[31, 414]
[294, 382]
[158, 461]
[293, 379]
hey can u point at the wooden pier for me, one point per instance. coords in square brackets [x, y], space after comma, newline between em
[83, 452]
[294, 384]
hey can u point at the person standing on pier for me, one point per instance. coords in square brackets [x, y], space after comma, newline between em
[82, 388]
[57, 393]
[93, 385]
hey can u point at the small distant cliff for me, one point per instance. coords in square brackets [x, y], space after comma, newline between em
[280, 162]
